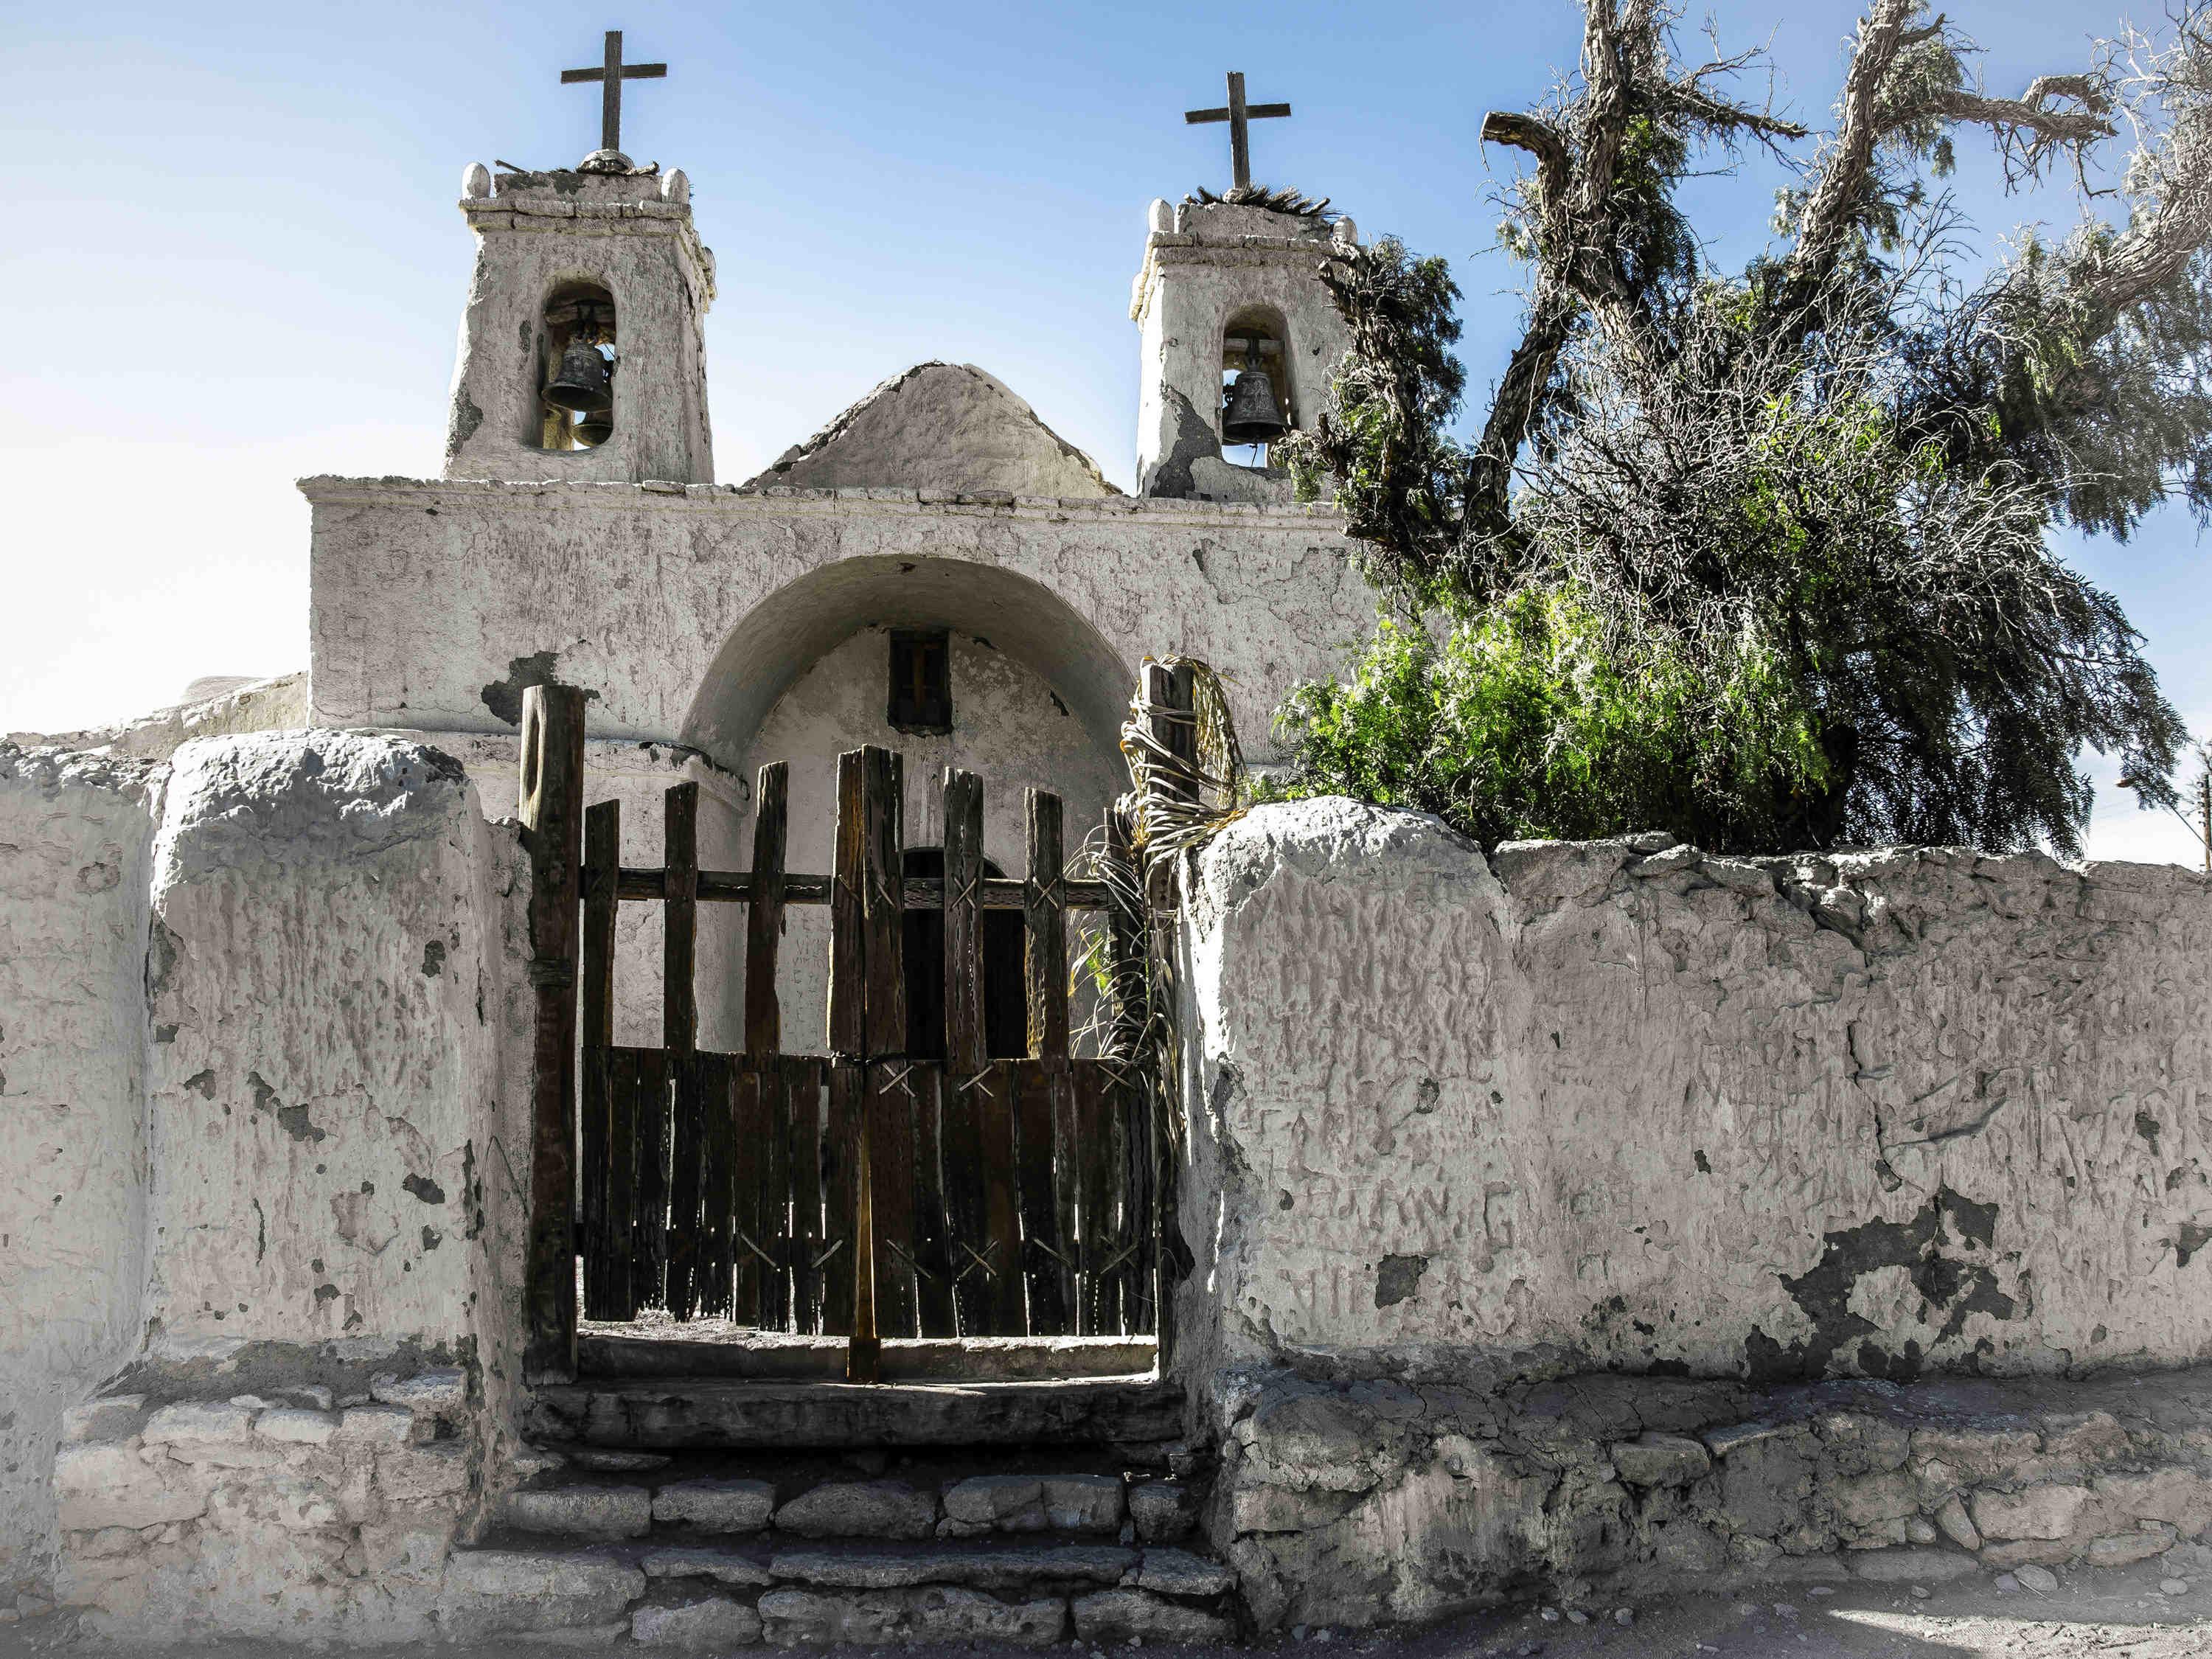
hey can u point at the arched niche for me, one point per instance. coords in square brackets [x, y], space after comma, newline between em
[1258, 335]
[578, 317]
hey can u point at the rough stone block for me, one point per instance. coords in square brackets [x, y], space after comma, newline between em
[440, 1469]
[859, 1509]
[2041, 1551]
[695, 1619]
[1178, 1572]
[583, 1511]
[2181, 1498]
[2045, 1511]
[1913, 1566]
[407, 1546]
[380, 1427]
[442, 1393]
[2119, 1549]
[110, 1485]
[997, 1568]
[702, 1561]
[1956, 1524]
[491, 1591]
[792, 1616]
[2091, 1438]
[1277, 1509]
[945, 1613]
[1661, 1460]
[292, 1426]
[1117, 1615]
[1873, 1499]
[1163, 1511]
[1084, 1503]
[1009, 1502]
[1970, 1456]
[716, 1505]
[115, 1419]
[198, 1423]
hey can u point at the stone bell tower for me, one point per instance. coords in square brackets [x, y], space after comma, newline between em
[583, 348]
[1229, 284]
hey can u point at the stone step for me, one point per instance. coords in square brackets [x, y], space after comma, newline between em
[792, 1498]
[724, 1594]
[714, 1349]
[689, 1414]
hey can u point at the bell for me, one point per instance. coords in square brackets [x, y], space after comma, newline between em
[596, 427]
[1252, 416]
[580, 382]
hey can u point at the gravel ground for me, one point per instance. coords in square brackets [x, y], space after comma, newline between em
[2120, 1613]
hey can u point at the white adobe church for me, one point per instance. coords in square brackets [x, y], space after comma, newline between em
[936, 570]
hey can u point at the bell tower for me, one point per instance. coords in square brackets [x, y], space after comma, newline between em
[583, 345]
[1238, 334]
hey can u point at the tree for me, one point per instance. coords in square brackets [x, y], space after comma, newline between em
[1767, 558]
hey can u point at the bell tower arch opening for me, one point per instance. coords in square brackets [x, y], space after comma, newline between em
[1257, 407]
[577, 366]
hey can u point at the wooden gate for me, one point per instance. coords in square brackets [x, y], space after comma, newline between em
[867, 1193]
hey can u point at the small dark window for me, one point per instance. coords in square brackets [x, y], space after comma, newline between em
[921, 680]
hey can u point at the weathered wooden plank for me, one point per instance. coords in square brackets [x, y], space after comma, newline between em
[933, 1277]
[602, 853]
[848, 970]
[1098, 1155]
[717, 1091]
[660, 1413]
[679, 1027]
[921, 892]
[1128, 1058]
[1044, 1264]
[752, 1236]
[894, 1100]
[1172, 693]
[843, 1101]
[606, 1255]
[764, 919]
[552, 814]
[619, 1240]
[1045, 915]
[791, 1195]
[864, 1353]
[685, 1358]
[648, 1262]
[882, 804]
[964, 1054]
[996, 1101]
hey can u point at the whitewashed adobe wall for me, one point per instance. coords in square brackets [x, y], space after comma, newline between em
[75, 836]
[1617, 1105]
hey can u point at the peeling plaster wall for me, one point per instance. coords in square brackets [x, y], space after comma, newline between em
[328, 955]
[77, 835]
[433, 602]
[1619, 1105]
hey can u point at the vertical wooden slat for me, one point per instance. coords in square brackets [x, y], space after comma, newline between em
[751, 1232]
[893, 1109]
[648, 1261]
[790, 1193]
[1043, 1267]
[843, 1104]
[1172, 692]
[997, 1099]
[1044, 912]
[618, 1242]
[883, 805]
[717, 1091]
[679, 1024]
[933, 1277]
[764, 916]
[797, 1150]
[552, 813]
[602, 857]
[864, 1353]
[849, 976]
[966, 1093]
[1127, 1057]
[1098, 1160]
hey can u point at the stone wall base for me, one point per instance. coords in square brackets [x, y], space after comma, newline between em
[1364, 1503]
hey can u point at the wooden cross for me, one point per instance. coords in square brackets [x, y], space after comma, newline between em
[613, 73]
[1238, 114]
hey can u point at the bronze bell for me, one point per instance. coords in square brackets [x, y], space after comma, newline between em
[582, 382]
[1253, 415]
[596, 427]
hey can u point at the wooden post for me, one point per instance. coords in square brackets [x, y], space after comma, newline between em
[882, 1283]
[1173, 693]
[1044, 911]
[602, 860]
[969, 1168]
[764, 916]
[1048, 1180]
[679, 1024]
[1132, 1065]
[552, 813]
[848, 974]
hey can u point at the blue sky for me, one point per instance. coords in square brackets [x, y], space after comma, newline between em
[235, 257]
